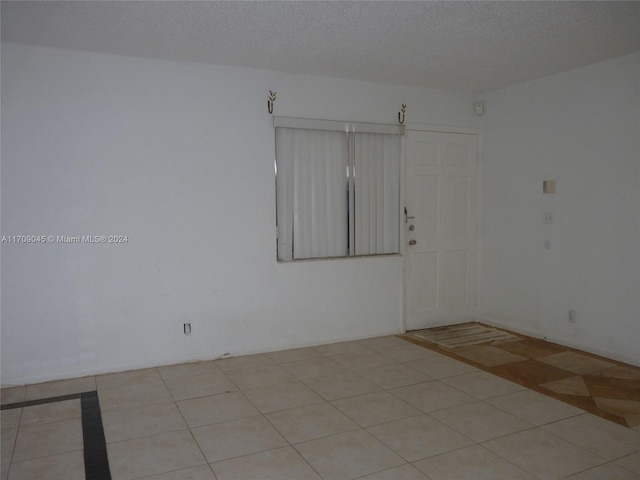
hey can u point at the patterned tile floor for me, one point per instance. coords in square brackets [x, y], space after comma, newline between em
[376, 409]
[604, 387]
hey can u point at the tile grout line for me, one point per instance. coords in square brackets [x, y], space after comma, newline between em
[501, 455]
[15, 442]
[189, 428]
[289, 444]
[264, 417]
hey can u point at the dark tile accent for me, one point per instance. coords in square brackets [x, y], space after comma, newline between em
[618, 388]
[40, 401]
[530, 373]
[96, 462]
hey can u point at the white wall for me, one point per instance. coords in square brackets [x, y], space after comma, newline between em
[179, 157]
[581, 128]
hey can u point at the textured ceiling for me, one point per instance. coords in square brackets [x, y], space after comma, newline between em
[470, 46]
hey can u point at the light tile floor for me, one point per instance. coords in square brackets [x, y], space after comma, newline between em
[380, 408]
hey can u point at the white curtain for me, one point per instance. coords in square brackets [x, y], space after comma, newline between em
[311, 188]
[377, 193]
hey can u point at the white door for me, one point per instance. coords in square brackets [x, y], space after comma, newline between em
[440, 228]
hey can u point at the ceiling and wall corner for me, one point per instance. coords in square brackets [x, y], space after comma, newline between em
[470, 46]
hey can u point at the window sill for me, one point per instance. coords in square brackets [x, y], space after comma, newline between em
[352, 257]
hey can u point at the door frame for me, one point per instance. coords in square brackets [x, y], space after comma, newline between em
[437, 128]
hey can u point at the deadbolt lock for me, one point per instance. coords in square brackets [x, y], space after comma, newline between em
[412, 242]
[412, 227]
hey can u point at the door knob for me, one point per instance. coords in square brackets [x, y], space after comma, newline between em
[412, 242]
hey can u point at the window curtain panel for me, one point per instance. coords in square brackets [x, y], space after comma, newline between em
[311, 185]
[377, 193]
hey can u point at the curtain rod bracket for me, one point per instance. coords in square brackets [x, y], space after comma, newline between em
[401, 114]
[271, 100]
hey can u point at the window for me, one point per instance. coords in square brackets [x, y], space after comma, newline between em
[337, 188]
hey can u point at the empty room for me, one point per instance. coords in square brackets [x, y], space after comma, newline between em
[324, 240]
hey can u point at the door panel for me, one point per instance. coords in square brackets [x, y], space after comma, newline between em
[457, 154]
[441, 207]
[457, 272]
[425, 275]
[455, 205]
[427, 202]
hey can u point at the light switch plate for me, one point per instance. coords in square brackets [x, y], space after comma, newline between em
[549, 186]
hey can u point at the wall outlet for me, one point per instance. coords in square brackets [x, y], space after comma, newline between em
[187, 328]
[572, 316]
[548, 218]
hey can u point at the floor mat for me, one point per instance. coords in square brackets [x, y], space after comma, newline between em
[464, 335]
